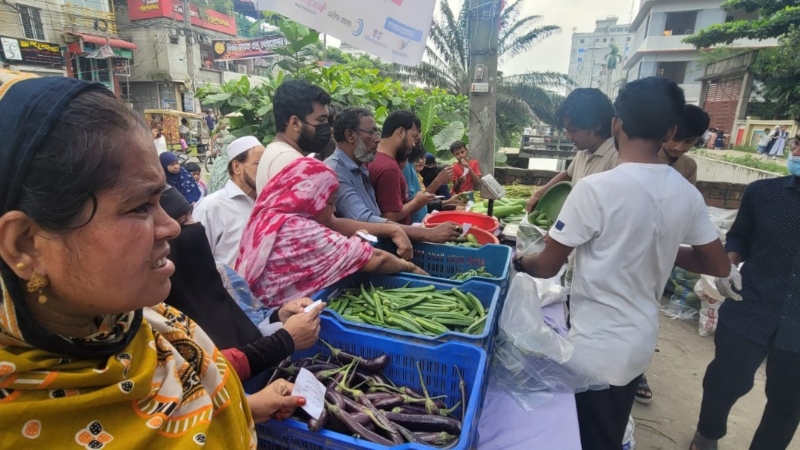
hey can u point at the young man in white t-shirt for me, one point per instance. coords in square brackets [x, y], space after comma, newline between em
[626, 226]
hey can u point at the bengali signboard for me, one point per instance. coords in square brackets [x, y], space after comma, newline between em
[394, 30]
[246, 48]
[173, 9]
[32, 52]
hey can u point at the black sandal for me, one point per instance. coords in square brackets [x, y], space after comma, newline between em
[644, 394]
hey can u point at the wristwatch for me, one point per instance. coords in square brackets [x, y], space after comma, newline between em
[517, 263]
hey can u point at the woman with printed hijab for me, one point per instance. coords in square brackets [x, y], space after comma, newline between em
[288, 251]
[84, 271]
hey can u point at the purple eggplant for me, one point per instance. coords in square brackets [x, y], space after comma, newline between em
[356, 427]
[372, 365]
[436, 439]
[426, 423]
[315, 425]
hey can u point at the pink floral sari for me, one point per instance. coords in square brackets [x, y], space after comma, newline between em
[284, 254]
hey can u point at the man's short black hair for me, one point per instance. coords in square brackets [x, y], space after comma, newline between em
[588, 109]
[192, 167]
[348, 119]
[650, 107]
[694, 123]
[402, 118]
[457, 145]
[296, 98]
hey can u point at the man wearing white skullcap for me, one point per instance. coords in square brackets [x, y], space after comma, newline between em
[225, 213]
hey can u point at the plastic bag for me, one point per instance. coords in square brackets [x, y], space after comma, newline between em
[530, 238]
[710, 300]
[683, 303]
[552, 291]
[628, 442]
[530, 355]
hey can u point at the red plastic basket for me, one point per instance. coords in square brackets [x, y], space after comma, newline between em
[481, 221]
[483, 237]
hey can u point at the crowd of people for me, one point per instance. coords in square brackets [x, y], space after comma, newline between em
[147, 300]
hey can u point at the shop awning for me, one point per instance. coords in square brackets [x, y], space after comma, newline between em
[102, 40]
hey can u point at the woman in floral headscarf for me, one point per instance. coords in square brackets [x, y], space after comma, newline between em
[288, 251]
[83, 272]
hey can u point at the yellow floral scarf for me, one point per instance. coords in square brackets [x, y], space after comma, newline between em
[169, 388]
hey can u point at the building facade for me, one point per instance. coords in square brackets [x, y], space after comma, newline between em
[75, 38]
[658, 48]
[588, 64]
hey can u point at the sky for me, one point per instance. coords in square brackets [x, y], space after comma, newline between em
[552, 54]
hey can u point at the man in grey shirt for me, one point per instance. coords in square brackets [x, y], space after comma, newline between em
[357, 136]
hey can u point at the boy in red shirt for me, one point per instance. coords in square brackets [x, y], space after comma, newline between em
[466, 172]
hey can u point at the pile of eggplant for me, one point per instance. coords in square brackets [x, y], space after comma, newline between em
[362, 402]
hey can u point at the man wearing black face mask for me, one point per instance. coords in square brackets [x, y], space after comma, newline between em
[301, 121]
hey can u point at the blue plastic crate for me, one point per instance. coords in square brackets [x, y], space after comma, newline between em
[487, 293]
[438, 368]
[443, 261]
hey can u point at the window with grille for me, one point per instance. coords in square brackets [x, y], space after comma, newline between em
[674, 71]
[31, 19]
[680, 23]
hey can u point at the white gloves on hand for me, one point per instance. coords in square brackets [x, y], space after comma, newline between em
[726, 286]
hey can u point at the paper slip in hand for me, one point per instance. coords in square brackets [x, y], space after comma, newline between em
[467, 226]
[311, 307]
[367, 237]
[313, 391]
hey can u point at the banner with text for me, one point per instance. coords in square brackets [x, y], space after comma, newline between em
[29, 51]
[173, 9]
[227, 50]
[394, 30]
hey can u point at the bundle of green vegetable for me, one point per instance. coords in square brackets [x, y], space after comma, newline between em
[421, 310]
[480, 272]
[361, 401]
[503, 208]
[540, 219]
[469, 241]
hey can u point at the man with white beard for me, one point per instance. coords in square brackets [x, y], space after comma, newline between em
[357, 136]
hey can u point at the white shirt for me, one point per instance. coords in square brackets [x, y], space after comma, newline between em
[224, 214]
[626, 225]
[161, 144]
[277, 155]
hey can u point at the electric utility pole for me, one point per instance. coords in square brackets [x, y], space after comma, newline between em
[483, 29]
[190, 41]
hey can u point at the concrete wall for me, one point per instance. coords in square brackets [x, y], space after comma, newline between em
[11, 26]
[718, 194]
[718, 171]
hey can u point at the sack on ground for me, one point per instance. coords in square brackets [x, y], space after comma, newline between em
[530, 355]
[710, 300]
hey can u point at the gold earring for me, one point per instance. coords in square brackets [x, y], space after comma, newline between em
[38, 283]
[21, 266]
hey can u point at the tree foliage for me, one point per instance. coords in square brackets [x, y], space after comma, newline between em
[777, 17]
[776, 69]
[522, 98]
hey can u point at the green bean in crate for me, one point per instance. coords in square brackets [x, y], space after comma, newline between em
[421, 310]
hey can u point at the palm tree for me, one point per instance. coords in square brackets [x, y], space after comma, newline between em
[613, 59]
[523, 97]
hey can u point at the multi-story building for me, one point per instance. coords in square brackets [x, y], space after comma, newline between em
[658, 48]
[588, 63]
[76, 38]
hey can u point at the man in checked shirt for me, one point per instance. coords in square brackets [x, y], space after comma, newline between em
[765, 322]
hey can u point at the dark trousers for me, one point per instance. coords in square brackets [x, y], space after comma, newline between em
[730, 376]
[603, 416]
